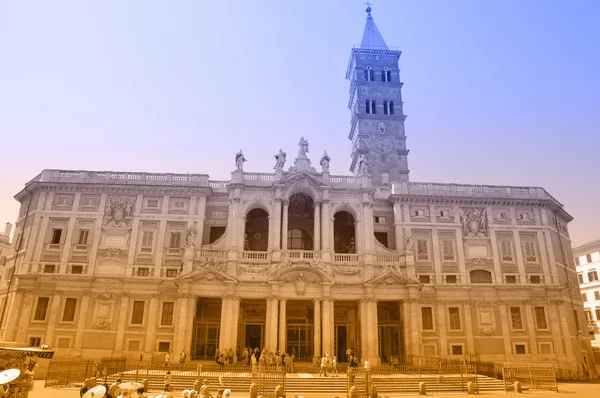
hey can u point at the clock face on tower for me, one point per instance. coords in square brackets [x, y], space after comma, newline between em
[383, 144]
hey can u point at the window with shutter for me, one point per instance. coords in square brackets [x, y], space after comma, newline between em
[427, 318]
[506, 250]
[422, 250]
[454, 317]
[137, 315]
[69, 311]
[175, 240]
[529, 248]
[83, 236]
[448, 248]
[147, 241]
[515, 316]
[540, 318]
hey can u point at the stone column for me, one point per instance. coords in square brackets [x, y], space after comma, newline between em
[327, 327]
[160, 243]
[325, 232]
[153, 312]
[225, 324]
[272, 344]
[284, 226]
[201, 220]
[182, 325]
[84, 311]
[519, 256]
[504, 322]
[235, 319]
[317, 226]
[64, 258]
[362, 309]
[123, 322]
[437, 261]
[441, 329]
[188, 323]
[282, 324]
[373, 333]
[54, 316]
[317, 327]
[277, 225]
[531, 329]
[398, 227]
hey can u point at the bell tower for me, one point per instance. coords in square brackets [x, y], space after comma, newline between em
[377, 121]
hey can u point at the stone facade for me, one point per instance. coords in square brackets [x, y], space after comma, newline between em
[302, 261]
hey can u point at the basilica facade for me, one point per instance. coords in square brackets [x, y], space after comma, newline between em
[297, 260]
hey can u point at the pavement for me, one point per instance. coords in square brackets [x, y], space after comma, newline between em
[566, 390]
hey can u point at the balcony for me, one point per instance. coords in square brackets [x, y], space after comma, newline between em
[216, 254]
[345, 258]
[53, 247]
[302, 255]
[173, 251]
[385, 259]
[80, 248]
[255, 256]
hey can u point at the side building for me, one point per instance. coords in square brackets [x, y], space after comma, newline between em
[587, 260]
[298, 260]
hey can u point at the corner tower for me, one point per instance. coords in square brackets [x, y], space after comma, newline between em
[377, 121]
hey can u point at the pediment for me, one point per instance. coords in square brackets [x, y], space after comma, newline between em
[302, 177]
[209, 274]
[391, 276]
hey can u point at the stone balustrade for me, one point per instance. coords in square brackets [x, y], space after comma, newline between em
[121, 178]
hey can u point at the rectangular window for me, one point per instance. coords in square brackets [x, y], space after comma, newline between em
[540, 318]
[368, 106]
[164, 346]
[179, 204]
[457, 350]
[515, 317]
[546, 348]
[175, 240]
[506, 250]
[373, 107]
[592, 276]
[56, 234]
[427, 318]
[584, 297]
[215, 234]
[454, 315]
[137, 315]
[166, 318]
[83, 236]
[77, 269]
[529, 249]
[445, 213]
[171, 273]
[535, 279]
[69, 311]
[49, 268]
[35, 341]
[385, 107]
[424, 279]
[451, 279]
[597, 295]
[152, 203]
[588, 315]
[147, 240]
[598, 314]
[448, 249]
[41, 309]
[422, 250]
[143, 272]
[511, 279]
[588, 258]
[520, 349]
[580, 278]
[89, 202]
[379, 220]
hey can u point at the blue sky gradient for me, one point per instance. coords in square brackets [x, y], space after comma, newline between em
[496, 92]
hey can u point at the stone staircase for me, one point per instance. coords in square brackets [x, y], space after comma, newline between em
[295, 385]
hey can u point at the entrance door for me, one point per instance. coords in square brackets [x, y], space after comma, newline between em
[205, 340]
[254, 336]
[341, 342]
[299, 342]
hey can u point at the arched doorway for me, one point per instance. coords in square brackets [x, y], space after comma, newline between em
[344, 233]
[256, 236]
[300, 222]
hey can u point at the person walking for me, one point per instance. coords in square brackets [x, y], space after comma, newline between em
[168, 381]
[182, 358]
[167, 359]
[334, 367]
[324, 361]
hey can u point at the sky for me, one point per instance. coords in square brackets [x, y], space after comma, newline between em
[496, 92]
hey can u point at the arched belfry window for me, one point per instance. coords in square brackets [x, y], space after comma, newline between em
[385, 107]
[256, 236]
[344, 233]
[391, 107]
[386, 75]
[369, 73]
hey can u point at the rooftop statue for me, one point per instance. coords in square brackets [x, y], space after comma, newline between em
[280, 160]
[324, 162]
[303, 147]
[239, 161]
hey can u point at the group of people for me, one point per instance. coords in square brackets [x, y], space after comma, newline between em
[182, 358]
[199, 390]
[325, 363]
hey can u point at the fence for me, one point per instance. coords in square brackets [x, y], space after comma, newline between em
[439, 376]
[266, 380]
[540, 378]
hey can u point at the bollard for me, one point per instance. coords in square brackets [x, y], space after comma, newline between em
[374, 392]
[278, 392]
[470, 388]
[518, 388]
[353, 393]
[253, 390]
[422, 389]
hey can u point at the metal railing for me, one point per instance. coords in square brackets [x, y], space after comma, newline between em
[535, 378]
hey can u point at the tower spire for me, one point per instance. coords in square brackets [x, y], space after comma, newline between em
[372, 38]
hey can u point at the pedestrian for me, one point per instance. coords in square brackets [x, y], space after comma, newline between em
[324, 361]
[182, 358]
[114, 391]
[334, 368]
[85, 387]
[205, 390]
[167, 359]
[367, 365]
[168, 381]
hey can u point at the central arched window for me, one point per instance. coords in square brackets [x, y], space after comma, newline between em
[344, 233]
[299, 239]
[481, 276]
[256, 236]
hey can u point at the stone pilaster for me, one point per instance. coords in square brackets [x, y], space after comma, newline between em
[373, 332]
[504, 322]
[225, 324]
[468, 325]
[531, 328]
[68, 243]
[182, 324]
[284, 226]
[276, 225]
[363, 329]
[84, 311]
[317, 227]
[327, 327]
[160, 244]
[54, 316]
[325, 231]
[123, 322]
[271, 324]
[11, 318]
[442, 329]
[398, 228]
[235, 319]
[24, 317]
[151, 326]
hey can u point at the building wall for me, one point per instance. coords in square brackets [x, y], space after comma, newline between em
[587, 260]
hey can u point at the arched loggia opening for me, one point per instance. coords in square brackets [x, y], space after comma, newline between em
[256, 236]
[344, 233]
[300, 228]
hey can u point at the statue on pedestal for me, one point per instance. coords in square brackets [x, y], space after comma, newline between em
[362, 166]
[302, 147]
[325, 159]
[190, 237]
[280, 160]
[239, 161]
[408, 249]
